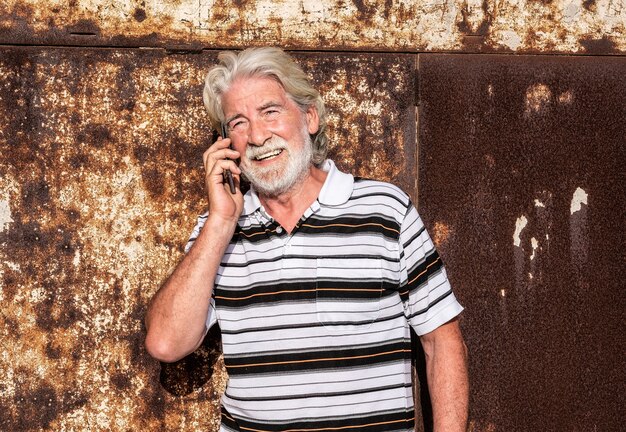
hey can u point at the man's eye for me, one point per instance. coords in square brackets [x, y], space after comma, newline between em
[238, 125]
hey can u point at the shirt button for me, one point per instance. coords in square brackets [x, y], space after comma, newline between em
[279, 229]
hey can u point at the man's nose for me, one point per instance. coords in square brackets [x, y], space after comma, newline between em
[258, 132]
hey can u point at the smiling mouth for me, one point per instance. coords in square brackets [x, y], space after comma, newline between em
[269, 155]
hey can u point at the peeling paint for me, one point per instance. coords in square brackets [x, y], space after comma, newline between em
[5, 215]
[572, 11]
[538, 98]
[511, 40]
[578, 199]
[564, 26]
[563, 309]
[534, 244]
[520, 224]
[558, 26]
[105, 145]
[579, 234]
[566, 98]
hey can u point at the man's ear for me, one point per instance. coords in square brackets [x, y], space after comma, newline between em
[312, 120]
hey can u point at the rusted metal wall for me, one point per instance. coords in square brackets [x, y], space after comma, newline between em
[100, 184]
[520, 181]
[540, 26]
[522, 175]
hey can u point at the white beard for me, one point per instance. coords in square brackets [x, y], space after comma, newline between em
[276, 180]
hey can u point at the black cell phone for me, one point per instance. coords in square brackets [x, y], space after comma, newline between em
[228, 176]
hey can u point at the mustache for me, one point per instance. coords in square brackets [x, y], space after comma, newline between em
[273, 144]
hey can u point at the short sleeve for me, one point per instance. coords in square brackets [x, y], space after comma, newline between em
[424, 287]
[196, 231]
[211, 318]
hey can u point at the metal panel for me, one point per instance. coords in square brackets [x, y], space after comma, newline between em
[522, 185]
[564, 26]
[100, 183]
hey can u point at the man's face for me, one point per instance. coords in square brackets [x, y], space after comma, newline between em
[271, 133]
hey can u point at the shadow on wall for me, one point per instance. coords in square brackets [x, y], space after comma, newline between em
[193, 371]
[422, 398]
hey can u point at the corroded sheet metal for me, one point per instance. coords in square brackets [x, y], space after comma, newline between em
[100, 184]
[370, 99]
[522, 184]
[567, 26]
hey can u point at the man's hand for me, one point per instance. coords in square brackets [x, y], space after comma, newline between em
[446, 369]
[217, 159]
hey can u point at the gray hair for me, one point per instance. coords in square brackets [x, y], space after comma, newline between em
[268, 62]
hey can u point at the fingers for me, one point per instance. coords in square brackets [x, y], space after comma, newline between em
[222, 201]
[220, 166]
[220, 150]
[220, 144]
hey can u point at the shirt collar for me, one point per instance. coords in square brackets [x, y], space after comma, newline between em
[338, 186]
[336, 190]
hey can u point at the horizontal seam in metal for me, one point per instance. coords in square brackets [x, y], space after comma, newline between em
[194, 50]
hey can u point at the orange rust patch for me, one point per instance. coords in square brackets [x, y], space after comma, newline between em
[538, 98]
[441, 233]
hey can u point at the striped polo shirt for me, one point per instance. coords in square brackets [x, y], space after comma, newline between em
[315, 324]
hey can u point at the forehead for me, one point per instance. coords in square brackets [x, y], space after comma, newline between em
[251, 93]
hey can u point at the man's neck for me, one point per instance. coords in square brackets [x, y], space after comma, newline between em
[287, 208]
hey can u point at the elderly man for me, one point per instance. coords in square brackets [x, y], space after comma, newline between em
[314, 277]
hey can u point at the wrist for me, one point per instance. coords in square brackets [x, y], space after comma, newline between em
[217, 226]
[213, 239]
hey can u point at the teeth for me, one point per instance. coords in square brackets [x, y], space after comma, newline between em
[268, 155]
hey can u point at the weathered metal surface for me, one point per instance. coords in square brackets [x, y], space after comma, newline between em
[370, 99]
[565, 26]
[100, 184]
[522, 184]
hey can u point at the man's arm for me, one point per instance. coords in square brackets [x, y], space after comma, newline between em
[448, 383]
[176, 317]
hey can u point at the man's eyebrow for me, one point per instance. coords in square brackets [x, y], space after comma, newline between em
[270, 104]
[236, 116]
[266, 105]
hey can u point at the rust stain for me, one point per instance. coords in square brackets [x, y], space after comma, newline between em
[476, 17]
[140, 15]
[603, 45]
[566, 98]
[78, 259]
[441, 233]
[559, 26]
[538, 99]
[590, 5]
[83, 27]
[100, 185]
[554, 126]
[589, 26]
[369, 96]
[481, 426]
